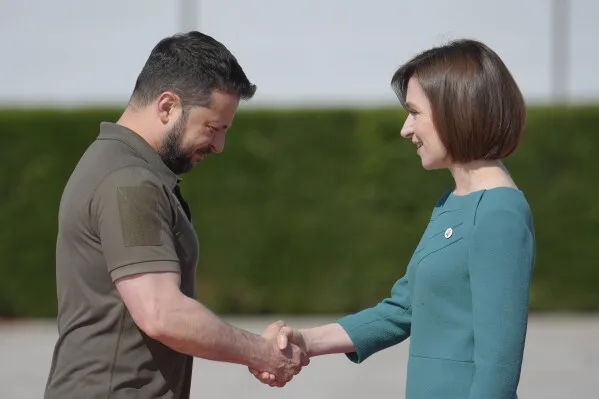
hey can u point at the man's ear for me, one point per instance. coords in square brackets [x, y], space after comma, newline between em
[166, 106]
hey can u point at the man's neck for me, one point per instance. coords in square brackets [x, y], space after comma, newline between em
[140, 123]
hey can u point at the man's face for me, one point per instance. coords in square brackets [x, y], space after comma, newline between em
[198, 132]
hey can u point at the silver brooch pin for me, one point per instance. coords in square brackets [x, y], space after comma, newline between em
[448, 232]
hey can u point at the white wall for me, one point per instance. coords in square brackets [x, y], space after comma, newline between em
[309, 52]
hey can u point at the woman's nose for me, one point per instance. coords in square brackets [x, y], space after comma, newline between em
[406, 130]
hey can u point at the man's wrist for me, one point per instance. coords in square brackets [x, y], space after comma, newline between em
[260, 355]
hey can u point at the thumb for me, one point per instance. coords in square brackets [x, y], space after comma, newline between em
[273, 329]
[284, 337]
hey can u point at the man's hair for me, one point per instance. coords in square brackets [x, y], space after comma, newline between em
[477, 107]
[191, 65]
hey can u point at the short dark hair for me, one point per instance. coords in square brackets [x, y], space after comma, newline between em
[192, 65]
[477, 107]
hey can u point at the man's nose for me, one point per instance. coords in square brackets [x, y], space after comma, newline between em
[218, 144]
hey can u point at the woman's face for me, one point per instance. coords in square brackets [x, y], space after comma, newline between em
[419, 128]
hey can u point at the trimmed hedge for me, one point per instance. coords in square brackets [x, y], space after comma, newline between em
[306, 211]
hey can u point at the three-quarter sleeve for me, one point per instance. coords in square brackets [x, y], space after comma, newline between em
[500, 263]
[382, 326]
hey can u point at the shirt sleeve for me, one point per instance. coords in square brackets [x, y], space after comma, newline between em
[382, 326]
[134, 221]
[500, 263]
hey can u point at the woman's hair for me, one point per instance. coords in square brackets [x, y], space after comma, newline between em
[477, 107]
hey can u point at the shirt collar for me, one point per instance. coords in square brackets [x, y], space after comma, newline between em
[114, 131]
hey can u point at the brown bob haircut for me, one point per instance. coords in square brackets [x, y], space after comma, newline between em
[477, 107]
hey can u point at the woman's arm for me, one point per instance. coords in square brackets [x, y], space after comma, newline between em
[500, 263]
[382, 326]
[358, 335]
[324, 340]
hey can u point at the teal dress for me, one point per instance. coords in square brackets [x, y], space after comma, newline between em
[463, 300]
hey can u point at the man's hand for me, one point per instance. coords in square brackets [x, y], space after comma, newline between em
[288, 341]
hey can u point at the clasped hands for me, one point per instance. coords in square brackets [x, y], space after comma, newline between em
[291, 355]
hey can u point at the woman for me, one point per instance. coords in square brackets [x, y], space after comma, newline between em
[464, 297]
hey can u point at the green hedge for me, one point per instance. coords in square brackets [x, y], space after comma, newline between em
[307, 211]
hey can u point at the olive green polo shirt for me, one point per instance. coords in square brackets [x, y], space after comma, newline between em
[121, 213]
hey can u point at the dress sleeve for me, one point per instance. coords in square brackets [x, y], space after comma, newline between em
[500, 263]
[382, 326]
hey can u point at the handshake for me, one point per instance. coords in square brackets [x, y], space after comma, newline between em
[290, 354]
[287, 350]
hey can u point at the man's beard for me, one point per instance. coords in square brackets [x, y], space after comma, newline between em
[172, 152]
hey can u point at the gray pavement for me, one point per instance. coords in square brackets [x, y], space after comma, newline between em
[561, 361]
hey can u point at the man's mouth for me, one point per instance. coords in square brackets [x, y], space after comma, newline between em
[199, 155]
[202, 153]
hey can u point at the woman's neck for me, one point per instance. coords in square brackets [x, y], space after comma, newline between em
[480, 175]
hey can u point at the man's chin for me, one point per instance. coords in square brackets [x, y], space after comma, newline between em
[197, 157]
[187, 167]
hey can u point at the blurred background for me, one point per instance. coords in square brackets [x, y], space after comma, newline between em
[315, 206]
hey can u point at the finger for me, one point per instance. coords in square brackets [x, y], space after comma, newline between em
[260, 378]
[287, 331]
[285, 335]
[282, 341]
[279, 323]
[282, 383]
[283, 378]
[305, 360]
[273, 328]
[277, 384]
[266, 377]
[266, 380]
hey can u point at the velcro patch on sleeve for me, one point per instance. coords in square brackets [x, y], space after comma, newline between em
[140, 220]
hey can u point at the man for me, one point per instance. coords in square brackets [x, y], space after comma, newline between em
[128, 322]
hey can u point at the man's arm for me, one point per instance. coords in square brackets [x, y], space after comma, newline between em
[133, 217]
[160, 310]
